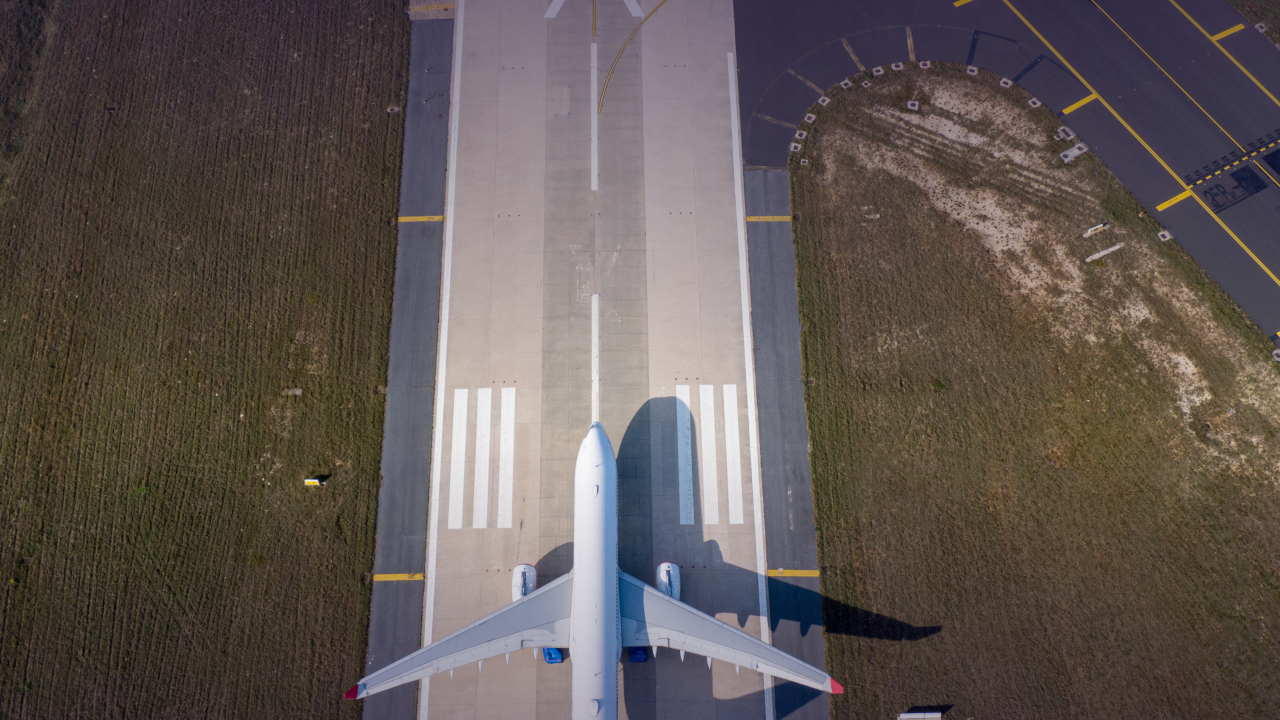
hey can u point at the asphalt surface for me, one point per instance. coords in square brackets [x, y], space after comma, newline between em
[1176, 91]
[395, 619]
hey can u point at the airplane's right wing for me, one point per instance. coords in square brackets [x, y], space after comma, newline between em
[540, 619]
[651, 618]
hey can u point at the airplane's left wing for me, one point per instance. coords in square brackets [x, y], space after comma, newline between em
[540, 619]
[652, 618]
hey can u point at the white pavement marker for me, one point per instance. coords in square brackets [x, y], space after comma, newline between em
[684, 454]
[595, 353]
[480, 499]
[458, 458]
[506, 456]
[710, 472]
[732, 454]
[595, 139]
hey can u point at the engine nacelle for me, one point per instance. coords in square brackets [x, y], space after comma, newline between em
[524, 580]
[669, 579]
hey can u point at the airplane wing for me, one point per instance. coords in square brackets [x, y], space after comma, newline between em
[652, 618]
[539, 619]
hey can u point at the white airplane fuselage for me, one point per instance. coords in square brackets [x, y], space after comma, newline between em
[595, 636]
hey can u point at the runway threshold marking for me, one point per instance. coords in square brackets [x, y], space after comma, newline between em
[1079, 104]
[392, 577]
[1173, 201]
[1143, 142]
[421, 218]
[768, 218]
[780, 572]
[1226, 32]
[1224, 52]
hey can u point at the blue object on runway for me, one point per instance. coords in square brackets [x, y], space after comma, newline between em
[638, 654]
[552, 656]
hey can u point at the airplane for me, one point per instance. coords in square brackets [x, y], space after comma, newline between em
[595, 610]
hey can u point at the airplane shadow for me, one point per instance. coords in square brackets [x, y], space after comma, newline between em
[640, 489]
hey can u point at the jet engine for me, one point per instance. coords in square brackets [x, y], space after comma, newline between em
[524, 580]
[669, 579]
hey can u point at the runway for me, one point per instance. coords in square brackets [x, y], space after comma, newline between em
[553, 153]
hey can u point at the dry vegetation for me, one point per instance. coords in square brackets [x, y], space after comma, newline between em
[1070, 467]
[198, 220]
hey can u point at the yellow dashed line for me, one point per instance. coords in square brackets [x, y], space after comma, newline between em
[1226, 32]
[1076, 106]
[397, 576]
[421, 218]
[1246, 157]
[795, 573]
[1173, 201]
[768, 218]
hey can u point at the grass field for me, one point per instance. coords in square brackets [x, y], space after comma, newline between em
[198, 219]
[1266, 12]
[1069, 467]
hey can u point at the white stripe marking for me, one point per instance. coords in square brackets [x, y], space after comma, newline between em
[458, 458]
[480, 497]
[753, 436]
[555, 8]
[710, 471]
[595, 358]
[732, 454]
[595, 122]
[442, 354]
[633, 6]
[684, 454]
[506, 456]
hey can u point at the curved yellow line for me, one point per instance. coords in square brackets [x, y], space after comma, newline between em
[600, 107]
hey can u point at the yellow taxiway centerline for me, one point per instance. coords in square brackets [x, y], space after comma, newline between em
[1143, 142]
[1214, 40]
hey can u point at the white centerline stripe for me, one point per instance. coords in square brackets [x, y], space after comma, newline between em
[442, 353]
[595, 121]
[595, 357]
[710, 471]
[684, 454]
[480, 499]
[732, 454]
[748, 341]
[458, 458]
[506, 456]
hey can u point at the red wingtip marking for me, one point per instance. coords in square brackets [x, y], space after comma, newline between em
[836, 688]
[352, 693]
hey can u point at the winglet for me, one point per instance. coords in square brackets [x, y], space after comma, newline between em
[836, 688]
[353, 693]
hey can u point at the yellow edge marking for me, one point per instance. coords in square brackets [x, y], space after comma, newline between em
[1144, 144]
[600, 107]
[805, 80]
[421, 218]
[397, 576]
[1173, 201]
[1224, 52]
[768, 218]
[793, 573]
[1076, 106]
[911, 45]
[1166, 74]
[958, 3]
[431, 7]
[1226, 32]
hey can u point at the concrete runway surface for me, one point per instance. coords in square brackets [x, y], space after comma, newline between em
[524, 194]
